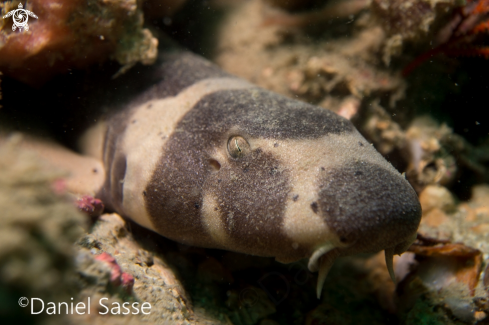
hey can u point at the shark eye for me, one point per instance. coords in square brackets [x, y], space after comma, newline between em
[238, 147]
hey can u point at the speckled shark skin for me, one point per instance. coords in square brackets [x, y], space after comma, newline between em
[210, 160]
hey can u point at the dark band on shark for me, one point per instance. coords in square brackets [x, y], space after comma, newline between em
[208, 125]
[173, 73]
[245, 189]
[388, 203]
[278, 117]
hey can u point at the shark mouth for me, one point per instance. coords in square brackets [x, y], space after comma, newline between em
[324, 257]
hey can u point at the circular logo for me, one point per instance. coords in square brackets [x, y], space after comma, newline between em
[20, 18]
[23, 301]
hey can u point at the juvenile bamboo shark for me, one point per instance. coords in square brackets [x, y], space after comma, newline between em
[207, 159]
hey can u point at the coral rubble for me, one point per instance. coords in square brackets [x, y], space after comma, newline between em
[325, 72]
[37, 230]
[459, 36]
[450, 255]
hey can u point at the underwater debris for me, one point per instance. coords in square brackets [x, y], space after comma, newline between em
[347, 107]
[438, 156]
[449, 257]
[380, 128]
[464, 223]
[330, 73]
[468, 271]
[436, 197]
[445, 274]
[74, 34]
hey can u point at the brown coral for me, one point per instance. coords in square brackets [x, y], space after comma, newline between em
[467, 264]
[410, 20]
[444, 274]
[73, 34]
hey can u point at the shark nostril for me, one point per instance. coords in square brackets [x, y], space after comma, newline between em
[215, 165]
[314, 207]
[347, 240]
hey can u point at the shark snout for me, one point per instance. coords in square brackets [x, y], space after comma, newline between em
[369, 208]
